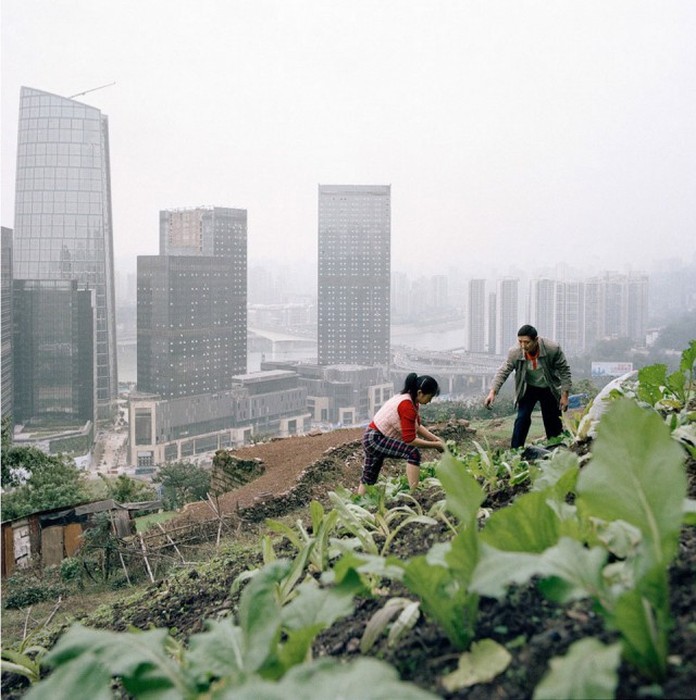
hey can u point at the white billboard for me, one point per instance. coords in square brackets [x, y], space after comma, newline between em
[611, 369]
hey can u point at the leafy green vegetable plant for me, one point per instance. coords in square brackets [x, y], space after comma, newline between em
[268, 640]
[441, 577]
[630, 501]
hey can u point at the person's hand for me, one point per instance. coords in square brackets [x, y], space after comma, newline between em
[489, 399]
[441, 446]
[564, 402]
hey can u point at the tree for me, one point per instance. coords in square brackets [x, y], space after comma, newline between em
[678, 334]
[123, 489]
[182, 482]
[37, 481]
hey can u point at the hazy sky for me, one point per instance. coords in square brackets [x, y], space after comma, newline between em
[511, 131]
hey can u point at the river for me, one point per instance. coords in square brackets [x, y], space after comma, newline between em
[411, 335]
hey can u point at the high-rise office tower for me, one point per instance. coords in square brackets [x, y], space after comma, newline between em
[63, 224]
[354, 274]
[192, 306]
[7, 387]
[508, 318]
[477, 315]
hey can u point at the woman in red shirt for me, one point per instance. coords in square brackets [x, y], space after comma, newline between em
[396, 431]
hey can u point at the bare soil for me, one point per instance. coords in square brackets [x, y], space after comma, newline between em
[533, 630]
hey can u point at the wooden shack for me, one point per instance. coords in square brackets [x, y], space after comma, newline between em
[49, 536]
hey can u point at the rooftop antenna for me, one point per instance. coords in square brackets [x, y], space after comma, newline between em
[92, 90]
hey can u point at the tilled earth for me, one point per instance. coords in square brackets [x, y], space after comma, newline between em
[532, 629]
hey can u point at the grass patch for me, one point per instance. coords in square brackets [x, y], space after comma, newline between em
[145, 522]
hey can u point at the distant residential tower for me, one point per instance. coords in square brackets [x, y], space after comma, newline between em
[354, 274]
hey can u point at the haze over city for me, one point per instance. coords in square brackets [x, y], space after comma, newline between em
[523, 134]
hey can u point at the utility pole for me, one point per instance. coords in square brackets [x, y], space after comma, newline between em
[92, 90]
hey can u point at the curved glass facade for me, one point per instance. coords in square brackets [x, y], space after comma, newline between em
[63, 226]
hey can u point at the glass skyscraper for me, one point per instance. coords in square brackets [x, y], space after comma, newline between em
[354, 274]
[63, 224]
[7, 389]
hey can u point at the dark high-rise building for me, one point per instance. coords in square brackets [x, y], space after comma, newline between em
[6, 328]
[63, 224]
[54, 373]
[354, 274]
[192, 306]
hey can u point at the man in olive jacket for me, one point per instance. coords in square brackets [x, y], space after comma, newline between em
[542, 375]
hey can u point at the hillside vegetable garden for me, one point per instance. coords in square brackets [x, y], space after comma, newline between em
[568, 576]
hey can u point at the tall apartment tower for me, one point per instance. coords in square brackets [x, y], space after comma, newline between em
[354, 274]
[492, 326]
[542, 306]
[616, 306]
[6, 330]
[637, 307]
[570, 316]
[63, 225]
[508, 317]
[477, 315]
[192, 304]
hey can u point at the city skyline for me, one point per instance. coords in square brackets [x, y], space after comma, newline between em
[511, 135]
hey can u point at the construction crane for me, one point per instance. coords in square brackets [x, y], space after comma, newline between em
[79, 94]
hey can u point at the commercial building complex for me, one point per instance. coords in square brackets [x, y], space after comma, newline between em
[259, 404]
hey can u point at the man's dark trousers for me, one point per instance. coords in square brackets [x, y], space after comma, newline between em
[550, 412]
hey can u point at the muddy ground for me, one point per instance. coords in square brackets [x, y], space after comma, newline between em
[533, 629]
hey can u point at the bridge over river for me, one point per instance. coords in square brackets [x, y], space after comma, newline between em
[457, 371]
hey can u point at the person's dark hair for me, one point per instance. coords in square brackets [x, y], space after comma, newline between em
[425, 383]
[527, 330]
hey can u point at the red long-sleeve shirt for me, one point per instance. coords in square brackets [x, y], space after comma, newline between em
[398, 418]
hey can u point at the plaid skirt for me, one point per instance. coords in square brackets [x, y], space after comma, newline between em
[378, 447]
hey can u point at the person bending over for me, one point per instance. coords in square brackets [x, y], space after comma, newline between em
[542, 375]
[396, 431]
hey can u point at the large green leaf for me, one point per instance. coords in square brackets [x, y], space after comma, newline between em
[528, 525]
[497, 570]
[642, 616]
[559, 473]
[444, 598]
[573, 571]
[651, 379]
[259, 615]
[637, 475]
[589, 671]
[464, 495]
[327, 679]
[322, 606]
[219, 651]
[83, 677]
[138, 658]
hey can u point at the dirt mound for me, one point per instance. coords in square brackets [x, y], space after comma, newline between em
[284, 461]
